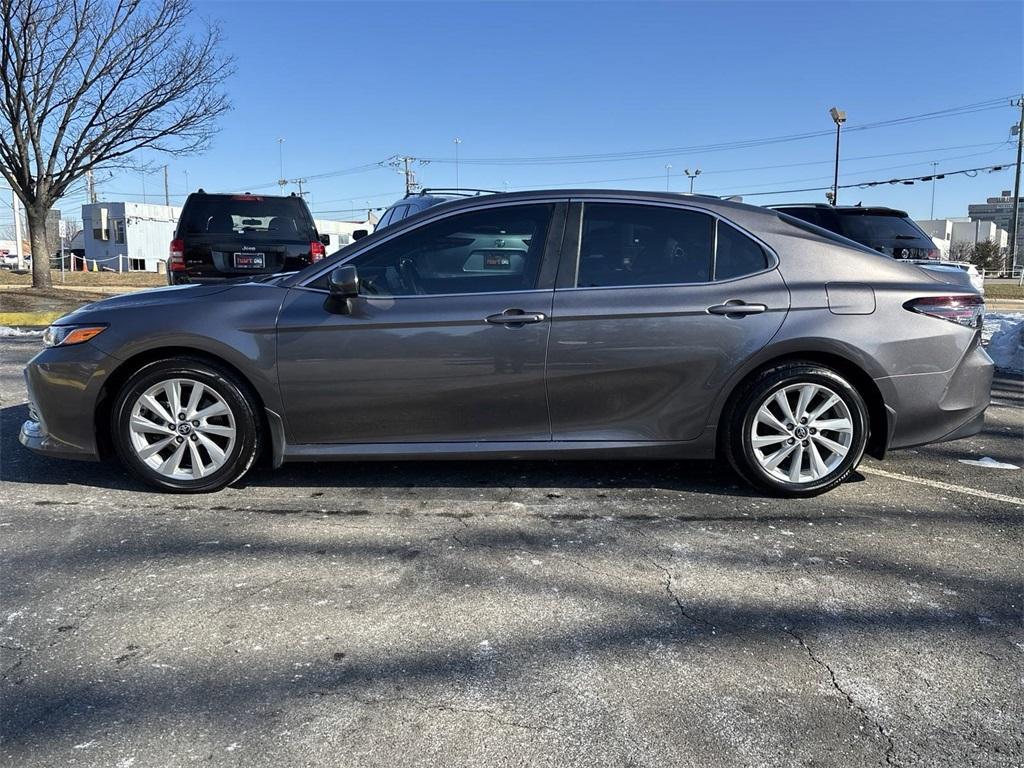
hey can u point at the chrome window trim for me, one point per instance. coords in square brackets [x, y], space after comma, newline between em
[429, 295]
[401, 230]
[773, 258]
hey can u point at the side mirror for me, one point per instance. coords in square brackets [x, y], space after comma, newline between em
[325, 239]
[343, 286]
[359, 234]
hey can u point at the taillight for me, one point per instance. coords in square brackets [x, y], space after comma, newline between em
[176, 259]
[934, 254]
[316, 251]
[968, 311]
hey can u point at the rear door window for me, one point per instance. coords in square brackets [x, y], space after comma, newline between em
[625, 244]
[248, 217]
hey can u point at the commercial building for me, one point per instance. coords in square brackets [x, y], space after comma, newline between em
[999, 210]
[945, 233]
[128, 237]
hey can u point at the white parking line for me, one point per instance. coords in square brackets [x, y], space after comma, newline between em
[942, 486]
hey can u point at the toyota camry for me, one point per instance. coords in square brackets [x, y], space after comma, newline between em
[548, 324]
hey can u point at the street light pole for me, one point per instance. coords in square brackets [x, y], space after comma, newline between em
[456, 141]
[838, 117]
[935, 167]
[1016, 194]
[281, 180]
[691, 176]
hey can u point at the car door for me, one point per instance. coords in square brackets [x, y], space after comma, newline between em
[445, 342]
[649, 321]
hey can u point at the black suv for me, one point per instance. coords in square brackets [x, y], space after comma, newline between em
[224, 236]
[886, 230]
[414, 202]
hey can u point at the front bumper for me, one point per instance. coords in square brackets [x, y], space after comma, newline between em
[64, 386]
[34, 437]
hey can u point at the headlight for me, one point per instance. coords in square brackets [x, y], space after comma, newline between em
[66, 335]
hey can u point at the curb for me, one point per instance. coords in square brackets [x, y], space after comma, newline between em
[28, 319]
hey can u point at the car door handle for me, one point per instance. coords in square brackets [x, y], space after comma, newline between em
[515, 317]
[735, 307]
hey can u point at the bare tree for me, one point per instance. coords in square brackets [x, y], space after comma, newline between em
[87, 83]
[961, 250]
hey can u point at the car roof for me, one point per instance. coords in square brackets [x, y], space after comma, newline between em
[254, 195]
[704, 201]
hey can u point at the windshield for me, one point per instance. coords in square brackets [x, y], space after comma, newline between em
[247, 217]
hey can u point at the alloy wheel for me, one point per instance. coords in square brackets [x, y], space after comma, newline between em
[182, 429]
[801, 433]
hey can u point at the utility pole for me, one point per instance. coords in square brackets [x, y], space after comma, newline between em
[935, 167]
[1016, 193]
[456, 141]
[167, 191]
[17, 230]
[403, 164]
[90, 186]
[300, 182]
[668, 171]
[838, 117]
[281, 180]
[691, 176]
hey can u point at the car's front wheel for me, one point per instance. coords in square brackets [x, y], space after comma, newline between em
[185, 425]
[798, 429]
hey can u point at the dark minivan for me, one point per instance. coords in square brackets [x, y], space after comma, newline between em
[223, 236]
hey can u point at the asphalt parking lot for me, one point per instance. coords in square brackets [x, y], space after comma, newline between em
[603, 613]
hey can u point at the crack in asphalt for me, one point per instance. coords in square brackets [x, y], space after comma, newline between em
[890, 750]
[692, 618]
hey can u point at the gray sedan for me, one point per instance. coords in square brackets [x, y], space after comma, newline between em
[531, 325]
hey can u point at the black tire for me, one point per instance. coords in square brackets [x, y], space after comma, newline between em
[738, 422]
[235, 393]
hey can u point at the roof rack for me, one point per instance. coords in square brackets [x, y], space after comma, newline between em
[463, 191]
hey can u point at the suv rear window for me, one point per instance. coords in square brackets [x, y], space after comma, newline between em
[247, 216]
[879, 228]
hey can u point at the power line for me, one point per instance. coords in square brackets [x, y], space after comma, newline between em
[995, 146]
[723, 146]
[910, 180]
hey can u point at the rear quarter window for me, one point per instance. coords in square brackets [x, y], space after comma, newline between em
[736, 254]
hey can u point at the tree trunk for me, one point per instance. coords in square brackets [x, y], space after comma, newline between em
[40, 247]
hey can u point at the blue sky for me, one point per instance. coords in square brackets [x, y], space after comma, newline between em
[349, 84]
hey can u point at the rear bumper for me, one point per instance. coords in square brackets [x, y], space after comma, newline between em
[936, 407]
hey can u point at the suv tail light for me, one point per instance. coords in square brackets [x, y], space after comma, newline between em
[176, 259]
[968, 311]
[316, 251]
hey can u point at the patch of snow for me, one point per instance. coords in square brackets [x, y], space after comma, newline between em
[989, 463]
[8, 332]
[1005, 332]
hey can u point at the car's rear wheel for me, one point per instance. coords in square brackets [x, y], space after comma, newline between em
[186, 426]
[798, 429]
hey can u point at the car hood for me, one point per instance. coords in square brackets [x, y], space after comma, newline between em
[149, 296]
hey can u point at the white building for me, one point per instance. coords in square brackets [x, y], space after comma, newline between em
[128, 236]
[340, 232]
[945, 232]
